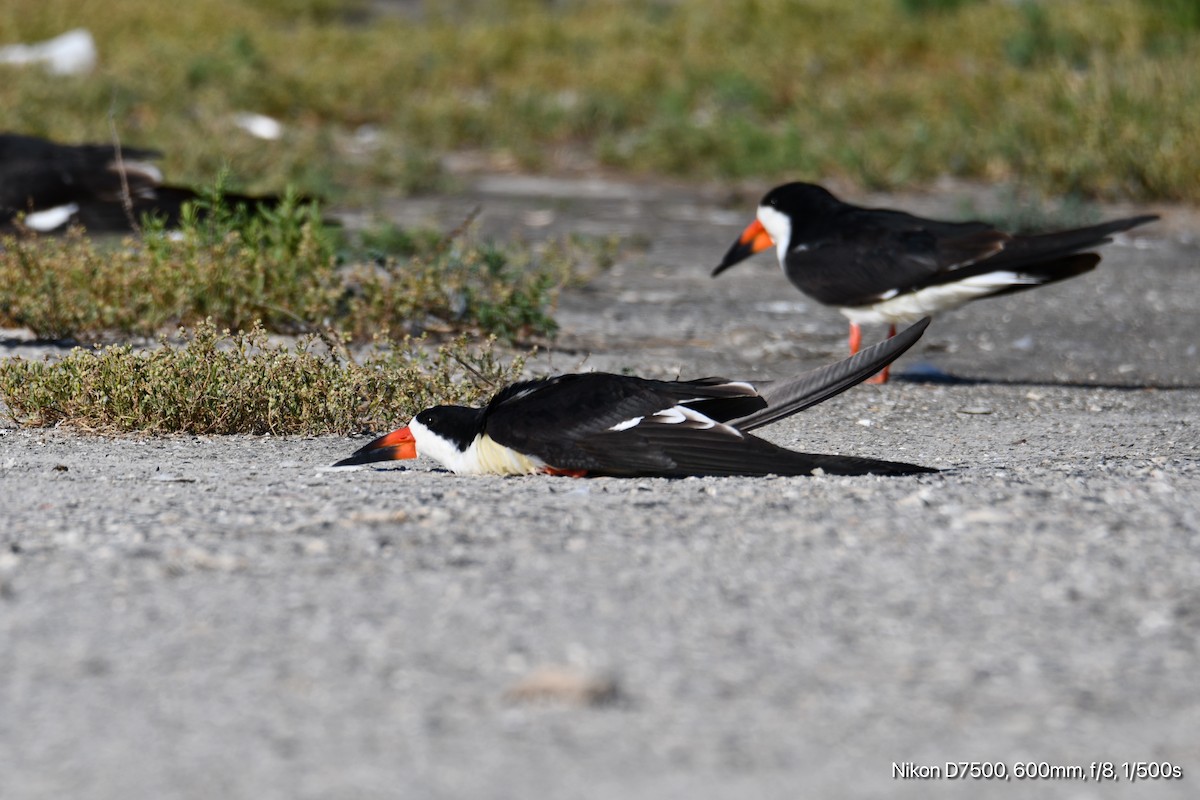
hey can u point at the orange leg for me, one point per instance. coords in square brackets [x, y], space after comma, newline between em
[855, 338]
[566, 473]
[882, 377]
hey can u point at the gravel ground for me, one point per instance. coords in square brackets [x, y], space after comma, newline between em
[194, 617]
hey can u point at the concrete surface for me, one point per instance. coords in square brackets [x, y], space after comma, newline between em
[192, 617]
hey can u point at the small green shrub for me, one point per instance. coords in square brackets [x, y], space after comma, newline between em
[287, 270]
[221, 383]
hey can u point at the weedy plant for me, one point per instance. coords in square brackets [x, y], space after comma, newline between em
[508, 292]
[278, 272]
[233, 265]
[217, 382]
[287, 270]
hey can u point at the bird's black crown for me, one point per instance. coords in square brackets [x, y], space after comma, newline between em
[456, 424]
[798, 197]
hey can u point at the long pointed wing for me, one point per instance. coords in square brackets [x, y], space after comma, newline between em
[675, 450]
[878, 252]
[786, 397]
[1031, 249]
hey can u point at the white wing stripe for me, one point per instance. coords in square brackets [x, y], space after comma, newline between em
[50, 218]
[676, 415]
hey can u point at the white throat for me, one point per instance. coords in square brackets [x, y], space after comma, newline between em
[779, 227]
[482, 457]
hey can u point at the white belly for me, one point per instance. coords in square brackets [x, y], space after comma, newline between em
[911, 306]
[485, 457]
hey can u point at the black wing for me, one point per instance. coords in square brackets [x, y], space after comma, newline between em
[790, 396]
[617, 425]
[549, 418]
[867, 255]
[37, 174]
[665, 445]
[659, 448]
[1023, 251]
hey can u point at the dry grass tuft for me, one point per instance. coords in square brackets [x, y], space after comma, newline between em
[221, 383]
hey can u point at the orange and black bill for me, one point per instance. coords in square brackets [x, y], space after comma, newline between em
[753, 240]
[394, 446]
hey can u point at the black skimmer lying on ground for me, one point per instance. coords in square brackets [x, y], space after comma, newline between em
[92, 185]
[878, 265]
[603, 424]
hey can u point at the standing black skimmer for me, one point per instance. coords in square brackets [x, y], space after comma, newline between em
[55, 185]
[603, 424]
[878, 265]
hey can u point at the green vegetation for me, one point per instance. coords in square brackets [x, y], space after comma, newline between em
[1070, 96]
[278, 272]
[218, 383]
[930, 6]
[1072, 99]
[283, 268]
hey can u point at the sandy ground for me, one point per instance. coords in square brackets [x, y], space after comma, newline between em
[222, 617]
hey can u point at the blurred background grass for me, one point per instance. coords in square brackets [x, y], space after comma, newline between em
[1099, 99]
[1074, 99]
